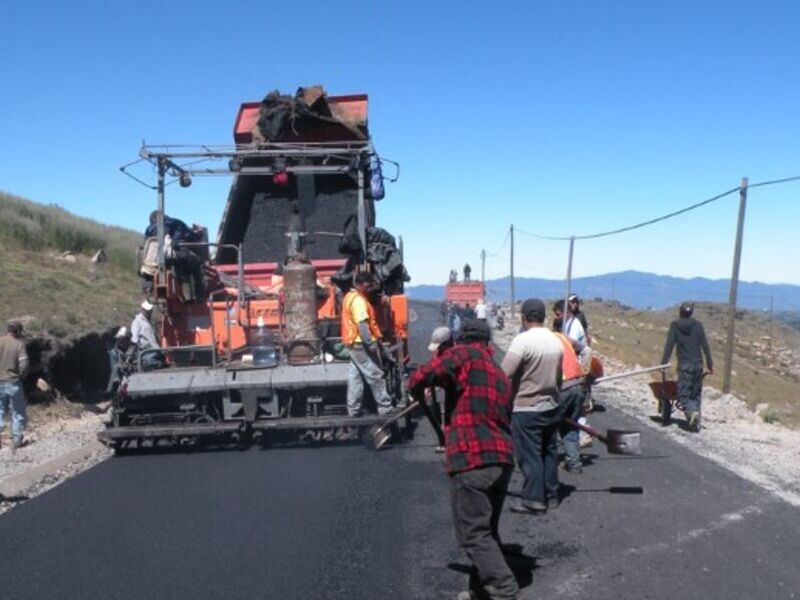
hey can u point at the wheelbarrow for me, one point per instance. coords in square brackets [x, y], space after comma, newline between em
[666, 394]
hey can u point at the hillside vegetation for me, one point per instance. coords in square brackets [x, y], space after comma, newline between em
[57, 294]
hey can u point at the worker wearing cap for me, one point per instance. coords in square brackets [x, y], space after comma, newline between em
[533, 363]
[118, 358]
[143, 337]
[362, 336]
[13, 365]
[441, 340]
[688, 335]
[479, 453]
[574, 305]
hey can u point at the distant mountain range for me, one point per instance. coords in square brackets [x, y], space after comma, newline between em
[640, 290]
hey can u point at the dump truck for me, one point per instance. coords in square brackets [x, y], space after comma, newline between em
[258, 351]
[462, 293]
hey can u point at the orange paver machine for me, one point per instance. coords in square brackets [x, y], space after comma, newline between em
[257, 350]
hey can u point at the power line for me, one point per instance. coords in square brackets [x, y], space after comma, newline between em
[636, 226]
[661, 218]
[496, 253]
[775, 181]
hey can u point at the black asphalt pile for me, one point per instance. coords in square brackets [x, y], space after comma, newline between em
[77, 368]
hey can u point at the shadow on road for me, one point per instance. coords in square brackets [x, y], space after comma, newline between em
[521, 564]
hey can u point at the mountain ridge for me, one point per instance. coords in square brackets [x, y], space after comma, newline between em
[638, 289]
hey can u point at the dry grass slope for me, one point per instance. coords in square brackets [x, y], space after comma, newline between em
[54, 295]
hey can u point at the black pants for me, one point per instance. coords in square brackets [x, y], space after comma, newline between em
[690, 386]
[476, 499]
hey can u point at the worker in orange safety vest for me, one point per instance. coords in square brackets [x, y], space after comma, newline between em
[362, 336]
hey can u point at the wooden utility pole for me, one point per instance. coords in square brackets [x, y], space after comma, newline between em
[513, 300]
[483, 266]
[771, 324]
[565, 314]
[737, 257]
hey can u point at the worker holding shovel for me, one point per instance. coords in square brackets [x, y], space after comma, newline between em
[479, 454]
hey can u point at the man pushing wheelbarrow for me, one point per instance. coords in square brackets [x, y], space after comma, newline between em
[689, 336]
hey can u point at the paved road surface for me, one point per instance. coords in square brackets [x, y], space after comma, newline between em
[343, 522]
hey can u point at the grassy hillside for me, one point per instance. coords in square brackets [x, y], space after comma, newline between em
[766, 366]
[56, 295]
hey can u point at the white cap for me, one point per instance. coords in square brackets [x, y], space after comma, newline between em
[146, 305]
[439, 336]
[122, 333]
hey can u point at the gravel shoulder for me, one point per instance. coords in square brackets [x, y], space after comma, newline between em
[61, 440]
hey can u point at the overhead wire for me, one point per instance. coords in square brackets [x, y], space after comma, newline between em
[632, 227]
[496, 253]
[774, 181]
[663, 217]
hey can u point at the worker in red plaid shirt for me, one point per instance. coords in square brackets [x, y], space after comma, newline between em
[478, 449]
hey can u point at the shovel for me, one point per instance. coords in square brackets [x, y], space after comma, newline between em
[616, 441]
[376, 436]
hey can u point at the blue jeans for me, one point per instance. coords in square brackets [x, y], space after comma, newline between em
[535, 440]
[571, 402]
[11, 395]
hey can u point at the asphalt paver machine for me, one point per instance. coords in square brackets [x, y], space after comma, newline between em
[260, 352]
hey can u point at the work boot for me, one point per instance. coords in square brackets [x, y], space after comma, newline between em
[575, 469]
[694, 422]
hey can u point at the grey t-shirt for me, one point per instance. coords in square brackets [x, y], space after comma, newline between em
[533, 363]
[142, 333]
[13, 359]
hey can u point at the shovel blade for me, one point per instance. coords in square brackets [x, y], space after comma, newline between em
[624, 442]
[376, 436]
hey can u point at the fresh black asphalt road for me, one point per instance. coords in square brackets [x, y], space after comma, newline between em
[340, 521]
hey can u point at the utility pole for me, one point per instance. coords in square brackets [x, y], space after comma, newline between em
[483, 266]
[771, 324]
[512, 272]
[569, 284]
[737, 257]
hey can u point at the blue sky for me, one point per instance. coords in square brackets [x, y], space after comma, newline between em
[562, 117]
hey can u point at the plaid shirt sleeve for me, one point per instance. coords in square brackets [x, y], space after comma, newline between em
[479, 431]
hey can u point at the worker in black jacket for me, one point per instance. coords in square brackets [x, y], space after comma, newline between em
[689, 336]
